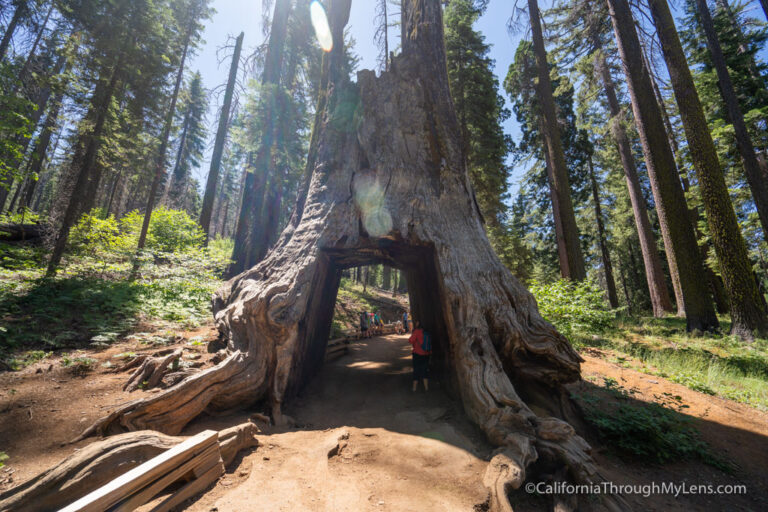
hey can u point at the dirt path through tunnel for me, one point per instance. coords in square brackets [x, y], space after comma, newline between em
[366, 442]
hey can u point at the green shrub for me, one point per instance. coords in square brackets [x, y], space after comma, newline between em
[25, 216]
[169, 230]
[96, 236]
[574, 306]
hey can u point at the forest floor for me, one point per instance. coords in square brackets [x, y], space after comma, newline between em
[361, 440]
[662, 406]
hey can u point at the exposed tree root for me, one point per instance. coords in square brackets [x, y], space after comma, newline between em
[103, 461]
[151, 370]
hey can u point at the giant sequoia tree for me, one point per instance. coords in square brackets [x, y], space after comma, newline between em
[387, 184]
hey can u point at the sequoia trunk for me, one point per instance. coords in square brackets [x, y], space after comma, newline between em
[389, 186]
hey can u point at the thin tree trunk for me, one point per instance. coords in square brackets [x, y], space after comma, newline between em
[554, 146]
[673, 272]
[221, 140]
[172, 191]
[256, 181]
[33, 49]
[662, 171]
[764, 5]
[18, 15]
[610, 283]
[654, 273]
[562, 251]
[386, 277]
[752, 168]
[84, 160]
[40, 150]
[163, 149]
[748, 308]
[386, 38]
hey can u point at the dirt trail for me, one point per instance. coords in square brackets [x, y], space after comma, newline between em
[366, 442]
[363, 441]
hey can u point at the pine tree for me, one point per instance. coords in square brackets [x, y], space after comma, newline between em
[747, 306]
[189, 16]
[662, 170]
[191, 144]
[480, 109]
[244, 255]
[572, 259]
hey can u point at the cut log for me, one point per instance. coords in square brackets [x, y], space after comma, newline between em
[145, 495]
[387, 184]
[99, 463]
[135, 479]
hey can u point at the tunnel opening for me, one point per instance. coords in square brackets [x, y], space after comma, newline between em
[419, 265]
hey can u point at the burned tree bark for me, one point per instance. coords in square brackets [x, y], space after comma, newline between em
[389, 186]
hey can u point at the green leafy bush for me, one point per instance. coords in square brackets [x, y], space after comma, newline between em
[573, 306]
[96, 236]
[169, 230]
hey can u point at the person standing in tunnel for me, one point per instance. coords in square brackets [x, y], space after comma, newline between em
[405, 321]
[421, 342]
[364, 324]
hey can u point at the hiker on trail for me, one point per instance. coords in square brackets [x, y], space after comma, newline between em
[405, 321]
[364, 324]
[421, 342]
[377, 322]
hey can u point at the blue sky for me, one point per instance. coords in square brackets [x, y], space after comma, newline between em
[234, 16]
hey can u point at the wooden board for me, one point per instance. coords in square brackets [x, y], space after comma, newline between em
[137, 478]
[191, 489]
[145, 495]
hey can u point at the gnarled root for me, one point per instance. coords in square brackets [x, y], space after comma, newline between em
[236, 381]
[103, 461]
[151, 370]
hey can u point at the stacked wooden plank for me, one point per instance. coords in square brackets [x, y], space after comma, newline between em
[189, 467]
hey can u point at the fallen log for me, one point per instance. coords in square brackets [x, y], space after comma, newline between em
[135, 480]
[19, 232]
[102, 462]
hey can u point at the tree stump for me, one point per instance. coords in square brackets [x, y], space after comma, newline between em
[387, 183]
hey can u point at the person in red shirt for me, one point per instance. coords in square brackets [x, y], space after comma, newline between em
[420, 357]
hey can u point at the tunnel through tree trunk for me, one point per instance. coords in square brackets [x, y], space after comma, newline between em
[387, 184]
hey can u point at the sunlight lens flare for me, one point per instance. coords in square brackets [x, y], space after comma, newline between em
[370, 200]
[322, 28]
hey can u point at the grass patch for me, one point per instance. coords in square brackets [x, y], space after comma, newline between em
[715, 364]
